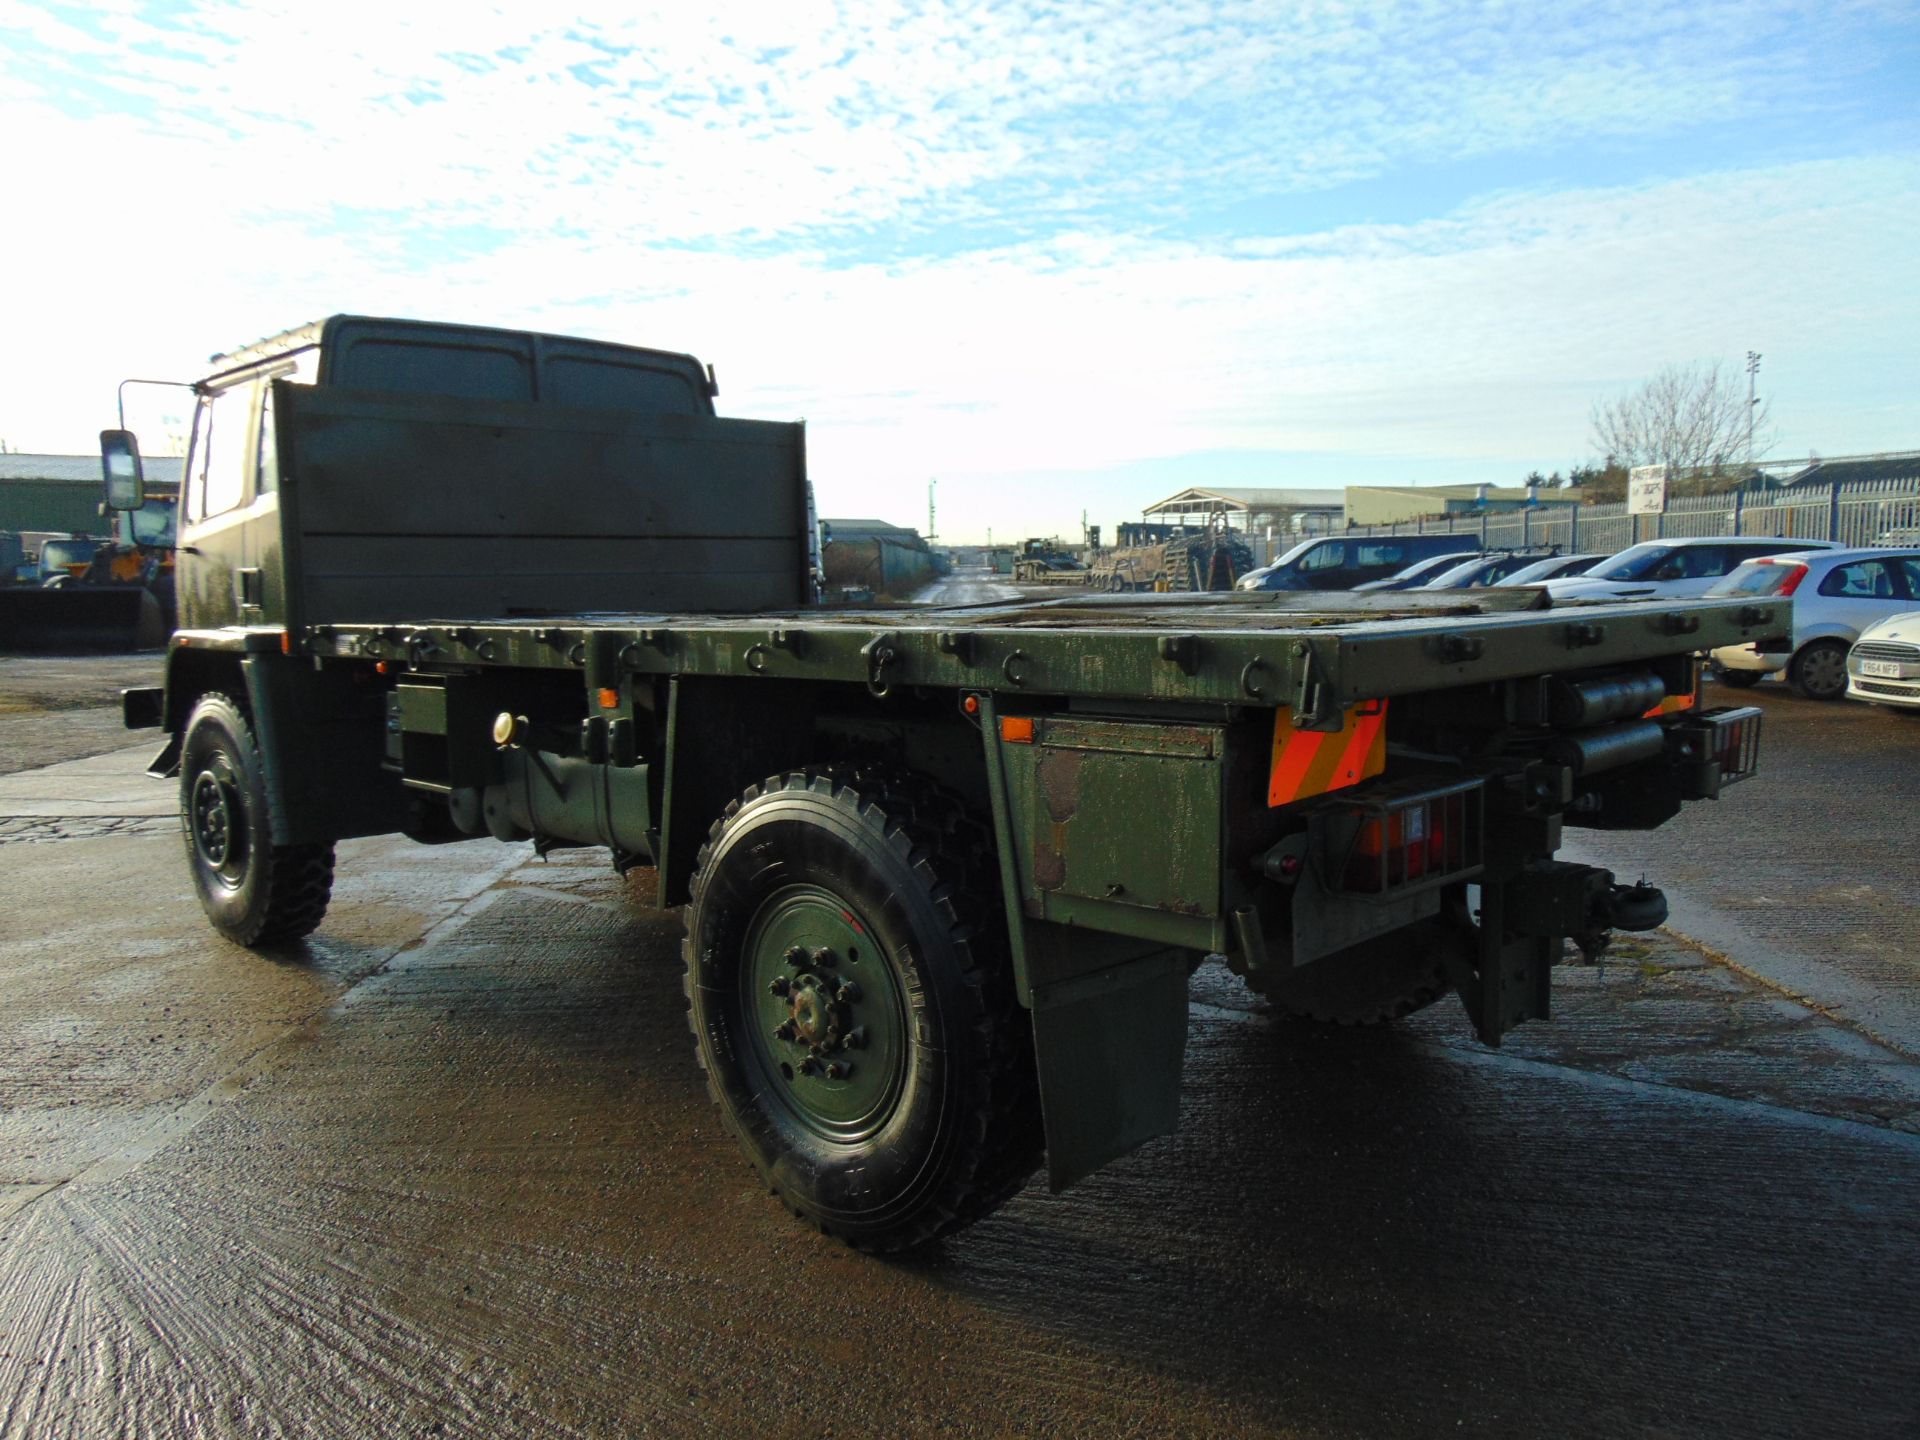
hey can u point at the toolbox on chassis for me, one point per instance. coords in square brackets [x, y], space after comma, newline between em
[945, 870]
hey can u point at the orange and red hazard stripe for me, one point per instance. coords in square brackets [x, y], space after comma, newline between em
[1312, 762]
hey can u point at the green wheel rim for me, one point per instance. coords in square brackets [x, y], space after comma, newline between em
[824, 1015]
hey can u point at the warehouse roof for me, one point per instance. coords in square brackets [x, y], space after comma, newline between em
[79, 469]
[1245, 501]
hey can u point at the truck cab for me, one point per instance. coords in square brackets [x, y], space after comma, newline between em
[257, 556]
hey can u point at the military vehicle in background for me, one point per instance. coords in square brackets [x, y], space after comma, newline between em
[93, 594]
[1171, 557]
[1042, 561]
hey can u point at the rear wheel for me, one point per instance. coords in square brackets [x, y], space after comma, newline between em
[852, 1004]
[1370, 983]
[1819, 670]
[254, 891]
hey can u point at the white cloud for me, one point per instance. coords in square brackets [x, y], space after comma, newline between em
[194, 185]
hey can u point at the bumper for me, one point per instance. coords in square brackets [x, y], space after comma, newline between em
[1750, 657]
[1882, 691]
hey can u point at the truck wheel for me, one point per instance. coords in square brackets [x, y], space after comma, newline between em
[1819, 671]
[853, 1006]
[1370, 983]
[254, 891]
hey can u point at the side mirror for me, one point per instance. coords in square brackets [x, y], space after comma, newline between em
[126, 485]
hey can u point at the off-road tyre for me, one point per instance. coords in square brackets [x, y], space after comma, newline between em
[945, 1125]
[1372, 983]
[1818, 671]
[255, 892]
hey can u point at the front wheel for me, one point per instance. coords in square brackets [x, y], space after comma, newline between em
[254, 891]
[1819, 671]
[852, 1004]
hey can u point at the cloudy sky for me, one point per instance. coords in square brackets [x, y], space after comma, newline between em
[1061, 256]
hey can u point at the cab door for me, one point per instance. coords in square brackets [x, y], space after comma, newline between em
[226, 531]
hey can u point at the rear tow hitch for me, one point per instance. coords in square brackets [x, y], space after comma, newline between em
[1633, 907]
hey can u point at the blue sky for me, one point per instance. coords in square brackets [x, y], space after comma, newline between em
[1064, 257]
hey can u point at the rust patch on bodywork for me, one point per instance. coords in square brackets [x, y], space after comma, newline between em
[1058, 776]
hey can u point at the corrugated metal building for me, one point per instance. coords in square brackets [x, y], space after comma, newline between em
[62, 492]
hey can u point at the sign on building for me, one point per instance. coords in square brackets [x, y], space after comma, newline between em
[1647, 489]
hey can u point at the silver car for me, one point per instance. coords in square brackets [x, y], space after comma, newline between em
[1835, 594]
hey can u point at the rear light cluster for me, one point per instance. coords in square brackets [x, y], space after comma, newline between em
[1410, 840]
[1732, 737]
[1790, 582]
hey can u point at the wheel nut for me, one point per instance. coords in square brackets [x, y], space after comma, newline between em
[823, 957]
[784, 1030]
[809, 1066]
[848, 993]
[855, 1039]
[795, 956]
[779, 986]
[838, 1071]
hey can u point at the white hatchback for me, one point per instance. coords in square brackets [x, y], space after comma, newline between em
[1671, 569]
[1835, 596]
[1884, 664]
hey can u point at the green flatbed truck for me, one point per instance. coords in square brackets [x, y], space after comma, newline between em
[945, 870]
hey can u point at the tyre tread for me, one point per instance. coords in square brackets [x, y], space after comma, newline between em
[951, 851]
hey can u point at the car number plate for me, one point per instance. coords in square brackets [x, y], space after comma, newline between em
[1890, 669]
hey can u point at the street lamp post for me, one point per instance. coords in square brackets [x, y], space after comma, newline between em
[1753, 371]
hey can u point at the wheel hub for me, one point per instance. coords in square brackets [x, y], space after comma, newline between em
[212, 819]
[810, 1019]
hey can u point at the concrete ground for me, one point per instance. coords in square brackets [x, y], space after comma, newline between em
[448, 1169]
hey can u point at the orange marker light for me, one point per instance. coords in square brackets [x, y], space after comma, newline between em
[286, 643]
[609, 699]
[381, 667]
[971, 704]
[1016, 729]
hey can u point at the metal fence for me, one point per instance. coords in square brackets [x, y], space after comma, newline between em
[1857, 512]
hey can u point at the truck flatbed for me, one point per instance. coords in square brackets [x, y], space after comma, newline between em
[1205, 648]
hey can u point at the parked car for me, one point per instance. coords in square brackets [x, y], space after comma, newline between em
[1884, 665]
[1342, 562]
[1835, 595]
[1479, 571]
[1417, 573]
[1554, 567]
[1667, 569]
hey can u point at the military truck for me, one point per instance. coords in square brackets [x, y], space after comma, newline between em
[1044, 561]
[1178, 558]
[467, 582]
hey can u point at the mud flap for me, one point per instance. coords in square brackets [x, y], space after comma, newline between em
[1109, 1047]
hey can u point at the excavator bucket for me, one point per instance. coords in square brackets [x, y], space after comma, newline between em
[80, 617]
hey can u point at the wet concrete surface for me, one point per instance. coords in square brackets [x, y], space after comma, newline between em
[449, 1169]
[971, 587]
[55, 707]
[1808, 874]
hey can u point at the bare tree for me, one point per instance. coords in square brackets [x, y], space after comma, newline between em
[1692, 417]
